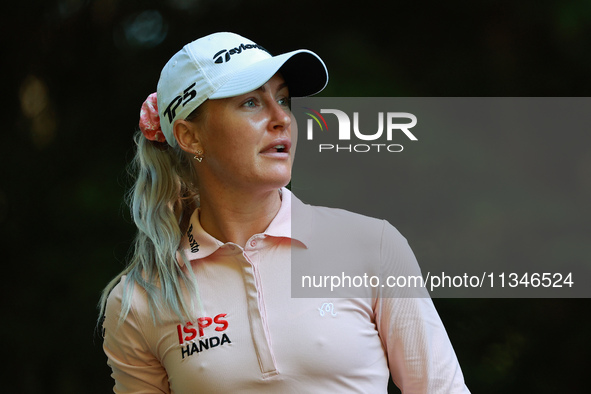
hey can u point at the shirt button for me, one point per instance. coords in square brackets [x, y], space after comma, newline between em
[253, 243]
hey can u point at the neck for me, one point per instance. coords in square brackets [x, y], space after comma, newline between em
[233, 217]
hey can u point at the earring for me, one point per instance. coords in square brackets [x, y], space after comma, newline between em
[198, 156]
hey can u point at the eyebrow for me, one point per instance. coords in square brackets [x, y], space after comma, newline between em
[283, 85]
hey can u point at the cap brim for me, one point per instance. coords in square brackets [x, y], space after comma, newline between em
[304, 72]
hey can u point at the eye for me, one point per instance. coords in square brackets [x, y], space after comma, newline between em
[251, 103]
[285, 102]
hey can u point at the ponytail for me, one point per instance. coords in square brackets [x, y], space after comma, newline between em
[162, 199]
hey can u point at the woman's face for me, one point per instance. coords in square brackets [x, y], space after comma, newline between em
[246, 140]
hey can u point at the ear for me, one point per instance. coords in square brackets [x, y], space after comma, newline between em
[187, 135]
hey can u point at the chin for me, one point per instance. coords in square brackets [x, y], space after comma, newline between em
[280, 181]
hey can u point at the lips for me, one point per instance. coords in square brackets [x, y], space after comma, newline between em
[277, 146]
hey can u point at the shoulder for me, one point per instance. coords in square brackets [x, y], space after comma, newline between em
[349, 229]
[346, 225]
[323, 221]
[127, 301]
[339, 215]
[343, 233]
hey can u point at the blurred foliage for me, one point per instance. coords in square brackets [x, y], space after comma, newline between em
[78, 70]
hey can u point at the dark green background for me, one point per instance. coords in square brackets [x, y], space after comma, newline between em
[76, 71]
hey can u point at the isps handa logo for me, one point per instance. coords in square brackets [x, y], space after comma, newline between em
[389, 126]
[205, 334]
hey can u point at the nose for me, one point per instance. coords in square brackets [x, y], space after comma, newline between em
[280, 117]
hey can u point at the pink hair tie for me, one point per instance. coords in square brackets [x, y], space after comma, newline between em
[150, 120]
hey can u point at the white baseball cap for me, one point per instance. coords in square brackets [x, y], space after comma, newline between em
[224, 65]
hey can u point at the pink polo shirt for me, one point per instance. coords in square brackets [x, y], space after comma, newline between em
[251, 336]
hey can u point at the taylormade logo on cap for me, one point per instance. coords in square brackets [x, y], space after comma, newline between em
[221, 58]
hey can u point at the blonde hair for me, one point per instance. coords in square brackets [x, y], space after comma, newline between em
[162, 200]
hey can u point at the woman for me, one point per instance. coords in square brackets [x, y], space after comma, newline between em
[204, 305]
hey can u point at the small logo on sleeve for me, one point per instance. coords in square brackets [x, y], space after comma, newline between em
[189, 331]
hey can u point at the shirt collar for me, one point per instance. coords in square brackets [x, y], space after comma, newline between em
[198, 244]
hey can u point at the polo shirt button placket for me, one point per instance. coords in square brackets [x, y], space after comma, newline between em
[257, 313]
